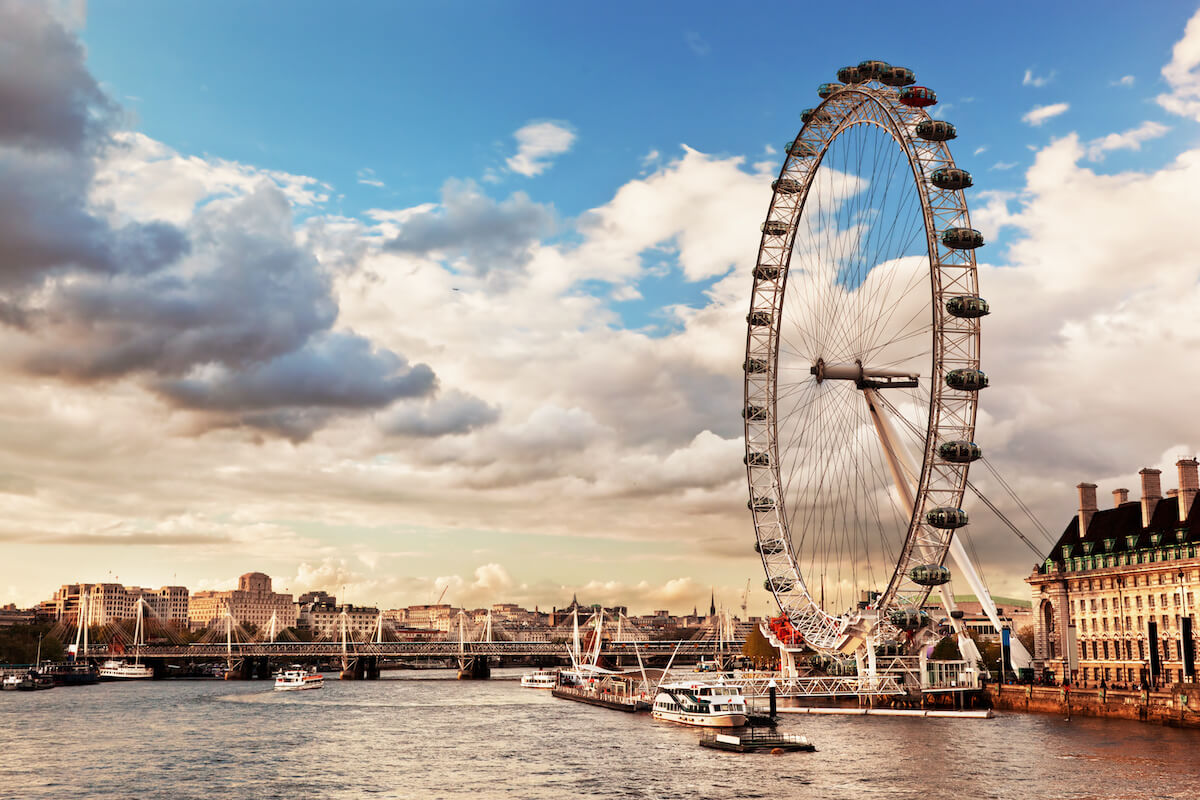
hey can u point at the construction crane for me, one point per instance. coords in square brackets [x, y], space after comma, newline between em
[745, 597]
[443, 594]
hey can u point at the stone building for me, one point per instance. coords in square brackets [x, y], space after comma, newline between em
[107, 602]
[253, 603]
[324, 619]
[1114, 601]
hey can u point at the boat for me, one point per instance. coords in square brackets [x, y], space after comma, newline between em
[12, 682]
[757, 742]
[35, 681]
[112, 670]
[71, 673]
[539, 679]
[708, 705]
[599, 687]
[297, 678]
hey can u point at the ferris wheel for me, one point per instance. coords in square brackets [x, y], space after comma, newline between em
[862, 366]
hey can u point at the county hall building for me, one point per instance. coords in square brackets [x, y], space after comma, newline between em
[1115, 598]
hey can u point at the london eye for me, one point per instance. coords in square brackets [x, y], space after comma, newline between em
[862, 366]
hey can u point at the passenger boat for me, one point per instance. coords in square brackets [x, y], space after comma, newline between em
[539, 679]
[12, 682]
[35, 681]
[705, 705]
[297, 678]
[124, 671]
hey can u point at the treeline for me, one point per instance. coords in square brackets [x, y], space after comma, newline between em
[19, 644]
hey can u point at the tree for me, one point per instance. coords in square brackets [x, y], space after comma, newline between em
[947, 650]
[758, 649]
[1025, 637]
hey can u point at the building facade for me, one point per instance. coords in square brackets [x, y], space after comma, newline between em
[103, 603]
[1115, 599]
[324, 620]
[252, 603]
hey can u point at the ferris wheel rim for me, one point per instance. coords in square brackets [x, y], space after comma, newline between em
[826, 631]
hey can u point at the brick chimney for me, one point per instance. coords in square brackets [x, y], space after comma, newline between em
[1151, 492]
[1120, 496]
[1189, 485]
[1087, 506]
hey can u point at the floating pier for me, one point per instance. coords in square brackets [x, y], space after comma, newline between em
[985, 713]
[756, 741]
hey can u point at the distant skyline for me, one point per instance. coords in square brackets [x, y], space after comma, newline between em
[400, 297]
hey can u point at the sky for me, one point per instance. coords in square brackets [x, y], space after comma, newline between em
[385, 299]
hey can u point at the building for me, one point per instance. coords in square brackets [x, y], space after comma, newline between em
[108, 602]
[437, 617]
[11, 615]
[324, 619]
[1115, 598]
[252, 603]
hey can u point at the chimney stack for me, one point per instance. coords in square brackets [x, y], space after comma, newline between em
[1120, 496]
[1189, 485]
[1151, 493]
[1087, 506]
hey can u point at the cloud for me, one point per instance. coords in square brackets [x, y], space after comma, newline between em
[482, 234]
[1003, 165]
[1129, 140]
[367, 177]
[1126, 80]
[980, 150]
[448, 413]
[537, 145]
[1032, 80]
[1182, 74]
[1039, 114]
[697, 44]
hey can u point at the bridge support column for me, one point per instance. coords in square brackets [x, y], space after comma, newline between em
[474, 668]
[371, 669]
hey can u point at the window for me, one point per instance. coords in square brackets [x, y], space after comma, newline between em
[1104, 604]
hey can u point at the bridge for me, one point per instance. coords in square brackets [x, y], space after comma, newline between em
[423, 649]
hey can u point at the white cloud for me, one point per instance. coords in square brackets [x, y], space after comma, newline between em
[367, 176]
[537, 145]
[1126, 80]
[1003, 165]
[980, 150]
[697, 44]
[1129, 140]
[1036, 81]
[1039, 114]
[1182, 73]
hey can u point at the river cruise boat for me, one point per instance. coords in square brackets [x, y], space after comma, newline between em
[124, 671]
[540, 679]
[12, 682]
[707, 705]
[297, 678]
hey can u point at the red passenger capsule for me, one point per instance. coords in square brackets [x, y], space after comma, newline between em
[918, 96]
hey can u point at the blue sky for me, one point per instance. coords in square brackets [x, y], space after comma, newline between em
[341, 390]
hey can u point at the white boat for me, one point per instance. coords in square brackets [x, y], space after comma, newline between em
[708, 705]
[124, 671]
[539, 679]
[12, 682]
[297, 678]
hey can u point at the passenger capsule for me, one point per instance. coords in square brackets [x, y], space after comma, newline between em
[936, 130]
[946, 518]
[959, 452]
[758, 318]
[918, 96]
[897, 76]
[754, 365]
[779, 584]
[798, 148]
[825, 90]
[786, 185]
[888, 649]
[872, 69]
[760, 503]
[819, 114]
[966, 380]
[774, 227]
[929, 574]
[850, 75]
[765, 272]
[962, 238]
[754, 413]
[770, 548]
[951, 178]
[907, 619]
[757, 459]
[968, 306]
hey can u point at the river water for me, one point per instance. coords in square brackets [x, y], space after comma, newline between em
[425, 735]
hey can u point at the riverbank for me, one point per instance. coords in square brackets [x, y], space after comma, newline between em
[1176, 706]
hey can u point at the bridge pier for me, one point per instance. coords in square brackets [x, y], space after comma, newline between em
[474, 668]
[371, 668]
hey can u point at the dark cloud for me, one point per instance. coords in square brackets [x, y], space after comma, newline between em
[445, 414]
[230, 314]
[487, 234]
[48, 99]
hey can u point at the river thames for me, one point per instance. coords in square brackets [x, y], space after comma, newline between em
[425, 735]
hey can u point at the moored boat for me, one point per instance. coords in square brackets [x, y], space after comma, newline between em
[12, 682]
[112, 670]
[708, 705]
[298, 678]
[35, 681]
[539, 679]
